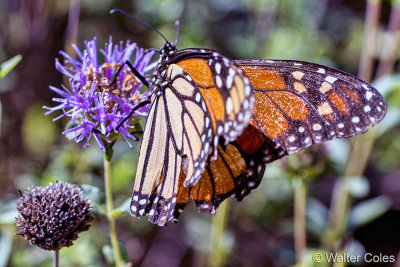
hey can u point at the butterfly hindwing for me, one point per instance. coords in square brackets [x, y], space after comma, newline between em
[234, 172]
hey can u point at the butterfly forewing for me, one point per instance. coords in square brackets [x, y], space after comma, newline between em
[300, 103]
[226, 90]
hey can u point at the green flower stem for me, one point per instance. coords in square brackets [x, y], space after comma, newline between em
[218, 251]
[55, 260]
[111, 219]
[300, 241]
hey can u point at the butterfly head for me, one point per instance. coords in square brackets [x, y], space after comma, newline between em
[167, 50]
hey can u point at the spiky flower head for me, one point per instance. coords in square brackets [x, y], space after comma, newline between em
[96, 105]
[52, 216]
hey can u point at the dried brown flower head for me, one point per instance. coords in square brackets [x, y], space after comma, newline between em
[52, 216]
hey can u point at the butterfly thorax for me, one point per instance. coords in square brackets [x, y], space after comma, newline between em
[160, 80]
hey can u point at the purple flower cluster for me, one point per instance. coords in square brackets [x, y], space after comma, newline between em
[94, 106]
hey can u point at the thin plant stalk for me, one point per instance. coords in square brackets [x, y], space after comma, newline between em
[218, 253]
[72, 29]
[110, 217]
[362, 145]
[300, 241]
[55, 260]
[391, 42]
[369, 41]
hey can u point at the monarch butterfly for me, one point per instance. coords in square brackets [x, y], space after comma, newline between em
[215, 122]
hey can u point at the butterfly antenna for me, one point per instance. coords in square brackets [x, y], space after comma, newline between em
[177, 24]
[112, 11]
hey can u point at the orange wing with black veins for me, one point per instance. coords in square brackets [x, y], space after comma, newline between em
[296, 105]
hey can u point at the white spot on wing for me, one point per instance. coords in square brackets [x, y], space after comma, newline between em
[330, 79]
[229, 79]
[355, 119]
[218, 68]
[219, 81]
[226, 61]
[316, 127]
[229, 105]
[368, 95]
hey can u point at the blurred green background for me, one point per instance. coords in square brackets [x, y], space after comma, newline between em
[260, 229]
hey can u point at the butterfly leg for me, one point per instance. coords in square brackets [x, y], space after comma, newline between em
[132, 68]
[141, 104]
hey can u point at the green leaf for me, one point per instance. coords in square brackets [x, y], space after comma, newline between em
[387, 84]
[94, 194]
[8, 216]
[8, 212]
[5, 246]
[8, 65]
[368, 211]
[317, 216]
[392, 118]
[125, 207]
[108, 254]
[389, 87]
[355, 247]
[357, 186]
[116, 213]
[124, 251]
